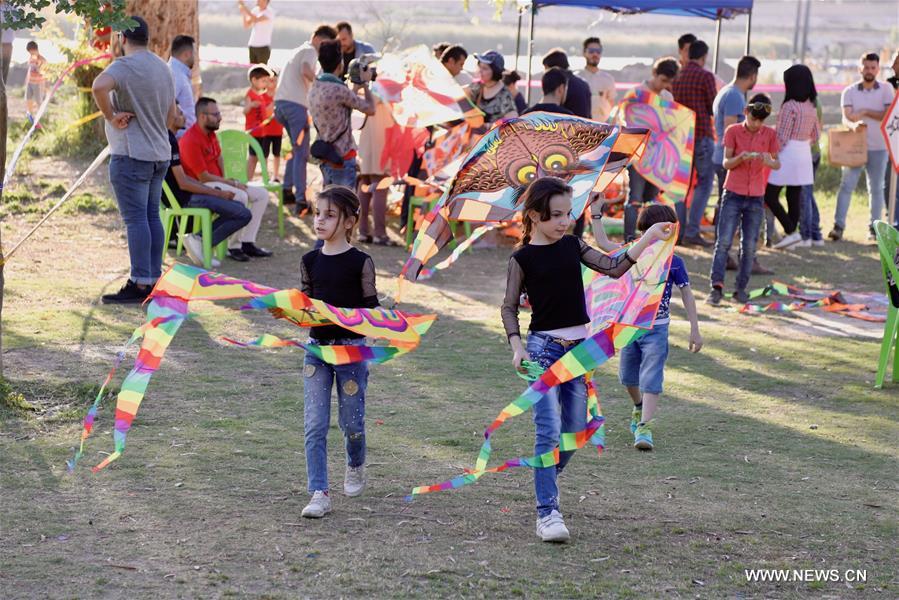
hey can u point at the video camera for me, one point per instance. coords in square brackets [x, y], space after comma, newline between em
[361, 69]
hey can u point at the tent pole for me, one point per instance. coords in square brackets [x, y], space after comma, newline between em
[748, 31]
[808, 10]
[527, 95]
[717, 45]
[518, 37]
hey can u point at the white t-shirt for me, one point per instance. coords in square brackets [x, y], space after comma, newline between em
[876, 99]
[261, 34]
[292, 85]
[602, 92]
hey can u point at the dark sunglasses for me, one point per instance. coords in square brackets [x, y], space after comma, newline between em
[759, 107]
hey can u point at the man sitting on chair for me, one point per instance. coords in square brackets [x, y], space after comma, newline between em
[232, 215]
[201, 158]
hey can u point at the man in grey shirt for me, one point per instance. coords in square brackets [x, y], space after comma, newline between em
[137, 98]
[864, 105]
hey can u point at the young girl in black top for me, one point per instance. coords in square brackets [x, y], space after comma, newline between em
[548, 266]
[342, 276]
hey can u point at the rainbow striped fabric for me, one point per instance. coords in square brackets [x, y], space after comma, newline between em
[168, 308]
[621, 311]
[668, 158]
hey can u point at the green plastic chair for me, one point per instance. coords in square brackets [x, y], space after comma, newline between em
[236, 146]
[202, 224]
[424, 204]
[888, 244]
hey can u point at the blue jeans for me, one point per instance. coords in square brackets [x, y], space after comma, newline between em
[642, 362]
[137, 185]
[641, 192]
[705, 179]
[874, 172]
[352, 381]
[232, 215]
[809, 217]
[569, 399]
[737, 212]
[345, 175]
[295, 118]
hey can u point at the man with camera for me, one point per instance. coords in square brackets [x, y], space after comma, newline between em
[331, 103]
[349, 46]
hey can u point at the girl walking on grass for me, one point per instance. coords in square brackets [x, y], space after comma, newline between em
[340, 275]
[548, 265]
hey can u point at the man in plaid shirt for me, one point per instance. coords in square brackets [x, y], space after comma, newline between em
[695, 88]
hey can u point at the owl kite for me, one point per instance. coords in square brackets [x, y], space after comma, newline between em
[494, 175]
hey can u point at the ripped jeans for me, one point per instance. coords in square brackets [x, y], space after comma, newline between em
[352, 380]
[562, 410]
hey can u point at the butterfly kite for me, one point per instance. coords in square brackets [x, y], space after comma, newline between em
[669, 154]
[169, 309]
[492, 178]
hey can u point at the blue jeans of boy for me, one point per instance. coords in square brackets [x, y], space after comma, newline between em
[875, 169]
[641, 363]
[352, 381]
[809, 217]
[737, 212]
[562, 409]
[295, 119]
[137, 185]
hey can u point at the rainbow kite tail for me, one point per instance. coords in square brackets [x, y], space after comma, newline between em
[95, 407]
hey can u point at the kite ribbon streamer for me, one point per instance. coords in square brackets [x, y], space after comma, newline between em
[833, 302]
[10, 169]
[427, 273]
[87, 172]
[634, 315]
[168, 309]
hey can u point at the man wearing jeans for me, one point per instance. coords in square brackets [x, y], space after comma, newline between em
[137, 98]
[231, 214]
[864, 104]
[750, 152]
[695, 89]
[290, 110]
[331, 103]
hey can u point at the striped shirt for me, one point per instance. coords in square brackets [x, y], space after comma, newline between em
[797, 121]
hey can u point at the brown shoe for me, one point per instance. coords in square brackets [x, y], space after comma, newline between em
[697, 240]
[759, 269]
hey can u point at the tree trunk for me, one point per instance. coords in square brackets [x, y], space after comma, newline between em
[167, 19]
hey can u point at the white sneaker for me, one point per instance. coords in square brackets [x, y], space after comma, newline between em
[193, 244]
[551, 528]
[319, 506]
[817, 242]
[788, 241]
[354, 481]
[803, 244]
[194, 247]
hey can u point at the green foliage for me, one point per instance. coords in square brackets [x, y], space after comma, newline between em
[90, 204]
[25, 14]
[11, 399]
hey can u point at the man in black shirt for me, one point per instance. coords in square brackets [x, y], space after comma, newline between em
[577, 98]
[188, 192]
[555, 86]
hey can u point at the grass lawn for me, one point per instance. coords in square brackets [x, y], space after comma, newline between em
[773, 449]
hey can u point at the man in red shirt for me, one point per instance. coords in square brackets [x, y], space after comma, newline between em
[695, 89]
[201, 158]
[750, 152]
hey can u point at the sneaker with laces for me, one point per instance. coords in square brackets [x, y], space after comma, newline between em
[130, 293]
[715, 296]
[354, 481]
[643, 437]
[551, 528]
[803, 244]
[193, 245]
[741, 296]
[636, 415]
[817, 242]
[318, 506]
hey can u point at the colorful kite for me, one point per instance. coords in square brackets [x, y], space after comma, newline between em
[169, 308]
[832, 302]
[621, 310]
[492, 178]
[669, 153]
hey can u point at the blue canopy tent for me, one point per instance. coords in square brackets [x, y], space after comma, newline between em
[708, 9]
